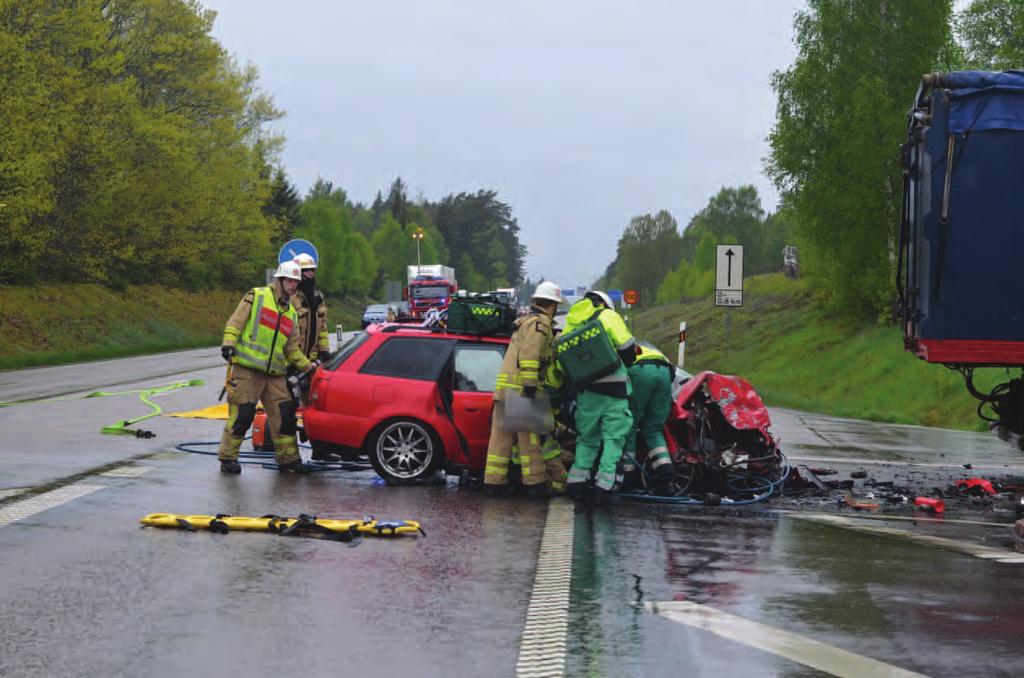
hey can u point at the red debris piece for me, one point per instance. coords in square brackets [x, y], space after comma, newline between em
[971, 483]
[931, 504]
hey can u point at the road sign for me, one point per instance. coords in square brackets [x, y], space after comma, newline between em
[729, 276]
[294, 248]
[729, 272]
[616, 296]
[728, 297]
[631, 297]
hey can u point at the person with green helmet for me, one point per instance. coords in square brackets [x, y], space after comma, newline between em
[603, 419]
[651, 377]
[261, 340]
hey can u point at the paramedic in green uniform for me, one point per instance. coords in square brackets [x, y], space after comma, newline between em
[602, 406]
[651, 378]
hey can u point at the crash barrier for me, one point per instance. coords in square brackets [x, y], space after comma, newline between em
[265, 459]
[587, 354]
[739, 484]
[122, 427]
[482, 314]
[346, 530]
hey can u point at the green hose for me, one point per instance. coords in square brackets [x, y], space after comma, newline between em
[121, 427]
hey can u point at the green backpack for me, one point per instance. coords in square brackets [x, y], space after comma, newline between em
[481, 315]
[587, 354]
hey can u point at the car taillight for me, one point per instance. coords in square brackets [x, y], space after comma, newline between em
[318, 390]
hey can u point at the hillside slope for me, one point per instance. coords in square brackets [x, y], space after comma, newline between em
[54, 324]
[797, 356]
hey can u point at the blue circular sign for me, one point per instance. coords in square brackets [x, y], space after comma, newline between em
[294, 248]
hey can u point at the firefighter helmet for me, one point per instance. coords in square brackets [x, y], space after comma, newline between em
[602, 297]
[288, 269]
[305, 261]
[549, 291]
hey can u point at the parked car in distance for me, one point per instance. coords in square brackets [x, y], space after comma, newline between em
[414, 399]
[375, 313]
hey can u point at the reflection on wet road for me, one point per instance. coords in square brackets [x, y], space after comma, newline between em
[88, 592]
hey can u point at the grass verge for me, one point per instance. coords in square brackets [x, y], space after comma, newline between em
[797, 356]
[59, 324]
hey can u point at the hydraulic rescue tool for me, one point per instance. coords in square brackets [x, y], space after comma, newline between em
[304, 525]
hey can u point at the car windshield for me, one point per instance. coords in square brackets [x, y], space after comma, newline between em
[431, 292]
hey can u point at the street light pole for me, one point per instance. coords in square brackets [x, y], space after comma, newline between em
[417, 235]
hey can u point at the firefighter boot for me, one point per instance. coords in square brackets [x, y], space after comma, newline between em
[541, 491]
[230, 466]
[664, 478]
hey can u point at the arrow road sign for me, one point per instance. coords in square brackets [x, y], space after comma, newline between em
[294, 248]
[729, 272]
[729, 276]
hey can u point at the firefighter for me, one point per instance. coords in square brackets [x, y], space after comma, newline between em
[260, 341]
[603, 419]
[527, 358]
[651, 378]
[309, 305]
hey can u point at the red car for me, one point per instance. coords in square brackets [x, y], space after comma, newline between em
[413, 399]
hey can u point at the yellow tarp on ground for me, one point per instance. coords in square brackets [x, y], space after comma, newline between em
[218, 411]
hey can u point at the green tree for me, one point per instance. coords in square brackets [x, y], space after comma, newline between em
[840, 118]
[993, 34]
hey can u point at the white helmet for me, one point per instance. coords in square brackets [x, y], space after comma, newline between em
[603, 297]
[305, 261]
[548, 290]
[289, 269]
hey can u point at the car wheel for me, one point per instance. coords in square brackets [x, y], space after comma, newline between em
[403, 450]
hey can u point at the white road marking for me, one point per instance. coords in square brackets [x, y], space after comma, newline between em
[19, 510]
[881, 462]
[127, 471]
[542, 648]
[812, 653]
[12, 491]
[970, 548]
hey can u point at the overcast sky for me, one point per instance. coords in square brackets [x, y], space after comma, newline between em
[580, 113]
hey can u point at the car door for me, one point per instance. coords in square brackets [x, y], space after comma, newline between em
[476, 367]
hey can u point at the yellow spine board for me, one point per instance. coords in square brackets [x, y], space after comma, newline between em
[383, 528]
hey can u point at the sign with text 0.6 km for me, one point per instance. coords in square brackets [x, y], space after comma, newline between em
[729, 276]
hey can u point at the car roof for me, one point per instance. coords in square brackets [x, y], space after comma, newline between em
[407, 330]
[377, 307]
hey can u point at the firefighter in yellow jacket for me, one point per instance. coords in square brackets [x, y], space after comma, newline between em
[526, 360]
[261, 339]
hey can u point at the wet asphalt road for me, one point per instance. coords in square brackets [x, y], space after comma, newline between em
[88, 592]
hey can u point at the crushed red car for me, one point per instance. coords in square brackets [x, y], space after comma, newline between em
[416, 399]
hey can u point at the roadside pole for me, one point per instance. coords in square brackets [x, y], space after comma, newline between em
[729, 281]
[682, 344]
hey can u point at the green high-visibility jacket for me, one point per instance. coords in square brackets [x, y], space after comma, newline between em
[268, 341]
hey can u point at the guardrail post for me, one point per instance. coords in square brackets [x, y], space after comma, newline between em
[338, 331]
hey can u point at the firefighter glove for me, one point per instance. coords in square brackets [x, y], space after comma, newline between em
[322, 356]
[228, 352]
[529, 392]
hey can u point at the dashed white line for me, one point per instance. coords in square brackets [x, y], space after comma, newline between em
[19, 510]
[542, 648]
[970, 548]
[812, 653]
[127, 471]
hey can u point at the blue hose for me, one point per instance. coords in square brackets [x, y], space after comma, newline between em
[262, 458]
[768, 487]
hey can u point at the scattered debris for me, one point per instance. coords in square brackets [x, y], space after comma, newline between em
[859, 474]
[930, 504]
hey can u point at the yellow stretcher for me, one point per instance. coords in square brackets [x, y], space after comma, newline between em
[343, 530]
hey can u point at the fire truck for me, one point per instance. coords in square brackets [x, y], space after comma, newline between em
[430, 286]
